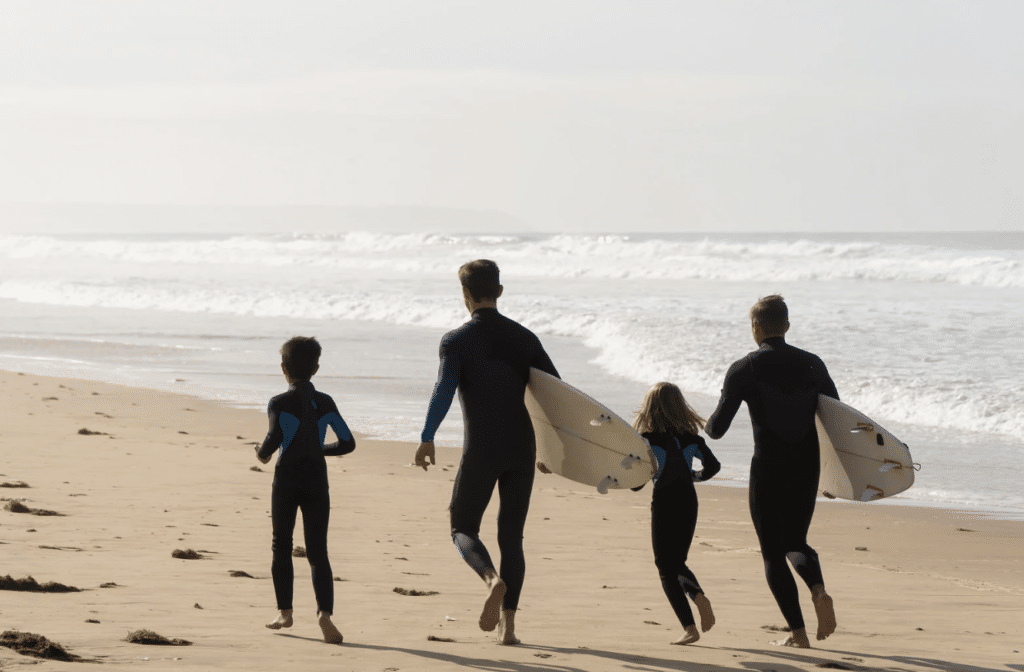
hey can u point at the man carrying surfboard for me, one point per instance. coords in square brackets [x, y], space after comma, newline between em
[781, 385]
[488, 361]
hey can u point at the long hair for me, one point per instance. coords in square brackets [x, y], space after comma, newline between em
[665, 411]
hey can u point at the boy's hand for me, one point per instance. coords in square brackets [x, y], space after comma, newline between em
[264, 460]
[426, 450]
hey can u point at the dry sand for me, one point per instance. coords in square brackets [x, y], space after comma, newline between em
[929, 589]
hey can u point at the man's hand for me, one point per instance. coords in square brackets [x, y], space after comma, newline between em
[425, 451]
[543, 468]
[264, 460]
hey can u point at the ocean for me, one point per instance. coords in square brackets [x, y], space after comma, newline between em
[923, 331]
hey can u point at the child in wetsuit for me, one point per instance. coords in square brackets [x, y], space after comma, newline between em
[298, 426]
[670, 425]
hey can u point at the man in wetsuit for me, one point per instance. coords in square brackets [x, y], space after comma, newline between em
[781, 385]
[298, 425]
[488, 360]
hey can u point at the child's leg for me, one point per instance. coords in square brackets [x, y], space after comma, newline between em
[316, 514]
[282, 510]
[671, 532]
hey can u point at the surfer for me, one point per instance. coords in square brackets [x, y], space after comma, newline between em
[488, 360]
[298, 423]
[781, 384]
[670, 426]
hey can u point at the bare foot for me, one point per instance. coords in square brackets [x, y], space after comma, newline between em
[283, 620]
[491, 613]
[797, 639]
[690, 637]
[507, 628]
[707, 616]
[825, 611]
[331, 634]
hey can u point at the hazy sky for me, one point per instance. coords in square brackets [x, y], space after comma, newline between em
[568, 115]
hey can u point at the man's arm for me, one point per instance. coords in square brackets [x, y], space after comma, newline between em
[732, 396]
[440, 401]
[824, 381]
[274, 436]
[543, 362]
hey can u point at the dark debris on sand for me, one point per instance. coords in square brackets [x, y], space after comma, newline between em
[432, 638]
[187, 554]
[15, 506]
[30, 644]
[239, 574]
[412, 592]
[299, 552]
[109, 584]
[88, 432]
[828, 664]
[255, 468]
[14, 484]
[776, 628]
[30, 585]
[150, 637]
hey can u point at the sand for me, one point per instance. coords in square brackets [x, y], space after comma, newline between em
[915, 588]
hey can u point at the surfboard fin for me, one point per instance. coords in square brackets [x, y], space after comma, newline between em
[606, 483]
[888, 466]
[601, 420]
[628, 462]
[871, 493]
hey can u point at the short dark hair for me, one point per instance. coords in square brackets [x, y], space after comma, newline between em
[480, 277]
[300, 356]
[771, 313]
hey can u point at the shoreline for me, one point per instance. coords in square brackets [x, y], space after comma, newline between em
[915, 588]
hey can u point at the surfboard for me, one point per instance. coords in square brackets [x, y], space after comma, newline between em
[579, 438]
[860, 460]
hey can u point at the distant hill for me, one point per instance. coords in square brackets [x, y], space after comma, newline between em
[100, 218]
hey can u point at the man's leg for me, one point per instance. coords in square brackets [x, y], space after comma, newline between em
[514, 489]
[474, 485]
[771, 517]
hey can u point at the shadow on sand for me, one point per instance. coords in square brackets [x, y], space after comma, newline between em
[858, 660]
[578, 660]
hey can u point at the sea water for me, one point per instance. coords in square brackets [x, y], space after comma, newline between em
[922, 332]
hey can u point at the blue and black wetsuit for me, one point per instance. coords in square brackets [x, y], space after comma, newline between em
[674, 513]
[488, 361]
[781, 385]
[298, 425]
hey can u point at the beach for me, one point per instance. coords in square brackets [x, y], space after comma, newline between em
[915, 588]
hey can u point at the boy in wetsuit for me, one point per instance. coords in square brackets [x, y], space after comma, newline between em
[298, 426]
[488, 360]
[781, 385]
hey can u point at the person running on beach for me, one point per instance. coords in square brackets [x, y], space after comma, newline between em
[670, 426]
[488, 360]
[781, 384]
[298, 425]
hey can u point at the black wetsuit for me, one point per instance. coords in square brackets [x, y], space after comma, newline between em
[298, 424]
[781, 385]
[674, 513]
[488, 360]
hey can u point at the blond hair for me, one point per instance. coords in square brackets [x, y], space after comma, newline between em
[665, 411]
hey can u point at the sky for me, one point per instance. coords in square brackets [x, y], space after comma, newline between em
[546, 115]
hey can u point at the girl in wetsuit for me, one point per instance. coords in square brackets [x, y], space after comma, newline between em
[671, 427]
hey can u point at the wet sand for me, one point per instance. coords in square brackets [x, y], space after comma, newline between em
[915, 588]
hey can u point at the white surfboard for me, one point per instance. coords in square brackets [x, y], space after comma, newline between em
[581, 439]
[859, 460]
